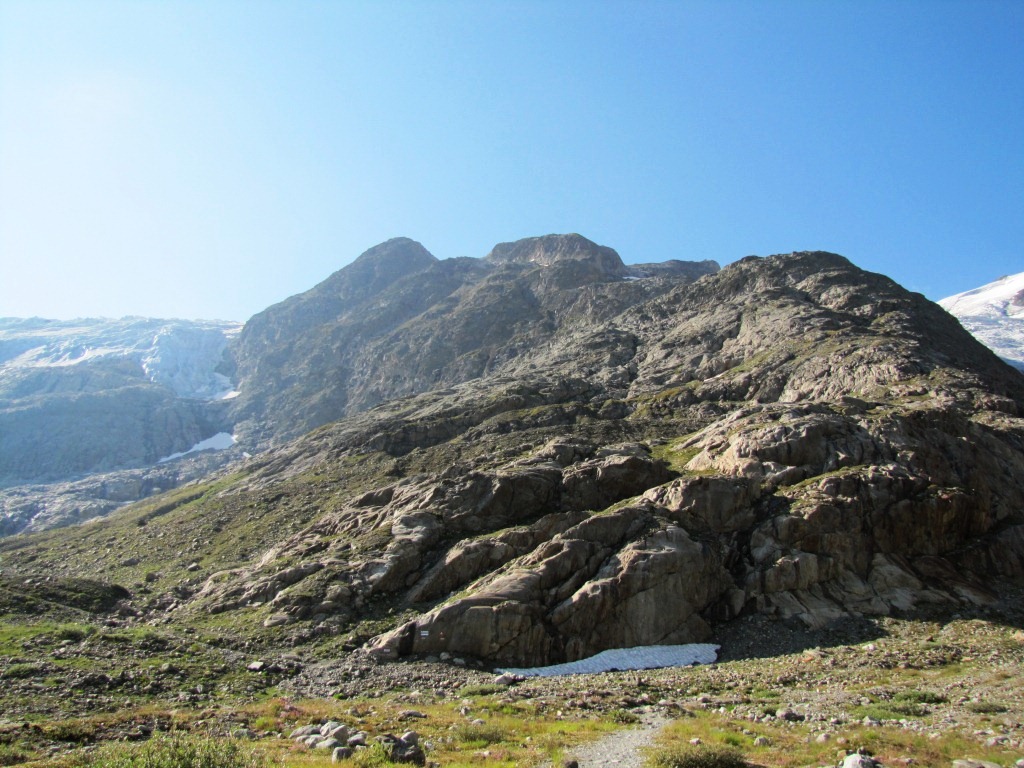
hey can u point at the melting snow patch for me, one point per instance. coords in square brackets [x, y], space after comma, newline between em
[218, 442]
[619, 659]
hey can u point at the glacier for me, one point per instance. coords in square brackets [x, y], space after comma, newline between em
[994, 314]
[181, 355]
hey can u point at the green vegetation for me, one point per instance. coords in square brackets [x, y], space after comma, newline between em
[484, 689]
[177, 751]
[675, 454]
[986, 707]
[13, 755]
[697, 756]
[920, 697]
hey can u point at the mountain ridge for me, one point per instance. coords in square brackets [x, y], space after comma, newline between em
[440, 323]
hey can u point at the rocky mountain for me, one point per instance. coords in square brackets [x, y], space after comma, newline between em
[994, 313]
[94, 396]
[398, 321]
[542, 458]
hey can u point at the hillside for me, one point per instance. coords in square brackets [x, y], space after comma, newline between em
[791, 457]
[92, 410]
[791, 437]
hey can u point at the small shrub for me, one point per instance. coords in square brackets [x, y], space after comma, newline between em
[375, 756]
[920, 697]
[986, 707]
[484, 689]
[74, 633]
[625, 717]
[697, 756]
[21, 671]
[479, 735]
[909, 709]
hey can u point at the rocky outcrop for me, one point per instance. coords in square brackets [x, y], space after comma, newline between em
[776, 519]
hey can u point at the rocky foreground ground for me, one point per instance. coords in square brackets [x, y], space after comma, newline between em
[922, 691]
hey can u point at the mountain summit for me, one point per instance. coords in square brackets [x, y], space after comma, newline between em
[551, 249]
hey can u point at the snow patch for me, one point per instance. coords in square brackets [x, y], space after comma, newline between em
[219, 442]
[619, 659]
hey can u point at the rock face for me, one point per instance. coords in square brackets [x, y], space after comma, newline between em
[791, 436]
[634, 463]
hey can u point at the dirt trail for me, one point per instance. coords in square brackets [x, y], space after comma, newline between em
[622, 748]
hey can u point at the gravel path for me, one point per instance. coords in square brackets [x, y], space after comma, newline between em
[622, 748]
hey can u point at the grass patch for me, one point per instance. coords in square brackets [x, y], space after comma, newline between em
[697, 756]
[986, 707]
[21, 671]
[477, 736]
[176, 751]
[891, 710]
[12, 755]
[673, 455]
[484, 689]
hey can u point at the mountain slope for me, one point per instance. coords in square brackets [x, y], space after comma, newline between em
[994, 314]
[642, 461]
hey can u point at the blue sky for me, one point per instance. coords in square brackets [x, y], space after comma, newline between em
[206, 159]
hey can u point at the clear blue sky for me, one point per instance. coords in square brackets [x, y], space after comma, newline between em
[206, 159]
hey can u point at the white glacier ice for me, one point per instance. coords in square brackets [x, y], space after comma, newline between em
[994, 314]
[181, 355]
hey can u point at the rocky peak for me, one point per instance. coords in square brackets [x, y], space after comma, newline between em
[551, 249]
[398, 255]
[376, 269]
[554, 467]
